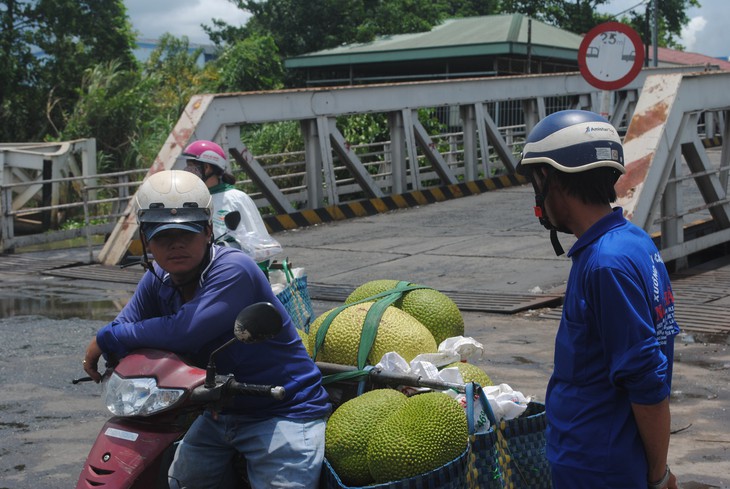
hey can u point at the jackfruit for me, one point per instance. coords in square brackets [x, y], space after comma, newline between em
[305, 340]
[432, 308]
[398, 331]
[427, 431]
[349, 429]
[472, 373]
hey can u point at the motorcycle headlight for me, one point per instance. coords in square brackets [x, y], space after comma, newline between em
[137, 396]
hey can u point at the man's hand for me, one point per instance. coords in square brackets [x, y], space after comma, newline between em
[672, 484]
[91, 361]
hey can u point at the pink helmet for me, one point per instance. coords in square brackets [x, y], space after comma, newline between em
[207, 152]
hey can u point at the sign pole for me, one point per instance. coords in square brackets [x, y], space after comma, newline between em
[606, 104]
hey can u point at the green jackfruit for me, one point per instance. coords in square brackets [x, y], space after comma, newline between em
[472, 373]
[398, 331]
[426, 432]
[349, 429]
[432, 308]
[305, 340]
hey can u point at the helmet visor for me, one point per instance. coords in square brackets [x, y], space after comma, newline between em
[153, 221]
[151, 230]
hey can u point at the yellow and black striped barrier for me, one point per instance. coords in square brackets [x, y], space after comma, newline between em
[369, 207]
[712, 142]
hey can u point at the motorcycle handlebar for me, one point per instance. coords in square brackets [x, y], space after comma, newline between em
[276, 391]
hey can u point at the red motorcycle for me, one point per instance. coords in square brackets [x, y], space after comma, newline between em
[155, 396]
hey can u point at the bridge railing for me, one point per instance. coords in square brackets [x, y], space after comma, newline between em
[87, 206]
[487, 120]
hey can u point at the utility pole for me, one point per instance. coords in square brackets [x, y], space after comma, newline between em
[655, 32]
[529, 45]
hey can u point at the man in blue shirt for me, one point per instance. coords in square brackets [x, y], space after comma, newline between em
[607, 400]
[187, 303]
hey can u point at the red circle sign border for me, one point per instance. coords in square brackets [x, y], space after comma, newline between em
[595, 32]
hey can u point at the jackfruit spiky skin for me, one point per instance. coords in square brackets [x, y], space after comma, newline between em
[426, 432]
[349, 429]
[472, 373]
[305, 340]
[398, 331]
[432, 308]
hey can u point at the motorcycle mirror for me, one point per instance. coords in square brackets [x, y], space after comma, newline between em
[232, 220]
[258, 322]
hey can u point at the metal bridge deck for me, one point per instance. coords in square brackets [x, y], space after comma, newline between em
[701, 301]
[466, 301]
[702, 298]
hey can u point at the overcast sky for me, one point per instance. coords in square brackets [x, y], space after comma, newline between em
[708, 32]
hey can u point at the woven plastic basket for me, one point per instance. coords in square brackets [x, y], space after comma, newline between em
[449, 476]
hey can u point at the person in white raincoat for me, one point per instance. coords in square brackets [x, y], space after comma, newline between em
[208, 160]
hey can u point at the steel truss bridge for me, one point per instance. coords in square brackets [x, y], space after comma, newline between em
[669, 118]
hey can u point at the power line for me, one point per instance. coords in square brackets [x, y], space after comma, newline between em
[643, 2]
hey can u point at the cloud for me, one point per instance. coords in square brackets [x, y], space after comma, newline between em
[152, 18]
[707, 32]
[689, 32]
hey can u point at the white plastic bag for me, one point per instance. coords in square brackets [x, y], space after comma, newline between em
[251, 234]
[505, 402]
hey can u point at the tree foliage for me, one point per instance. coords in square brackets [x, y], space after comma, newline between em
[250, 64]
[69, 72]
[131, 111]
[580, 16]
[46, 47]
[672, 17]
[300, 27]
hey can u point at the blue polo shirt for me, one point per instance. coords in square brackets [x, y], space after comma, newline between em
[155, 317]
[614, 347]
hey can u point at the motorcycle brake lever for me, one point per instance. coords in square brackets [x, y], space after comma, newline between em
[82, 379]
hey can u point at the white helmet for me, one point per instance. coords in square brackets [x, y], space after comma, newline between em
[173, 199]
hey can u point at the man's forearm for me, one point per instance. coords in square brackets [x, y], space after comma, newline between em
[654, 422]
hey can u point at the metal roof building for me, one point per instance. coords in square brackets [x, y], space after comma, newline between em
[509, 44]
[457, 48]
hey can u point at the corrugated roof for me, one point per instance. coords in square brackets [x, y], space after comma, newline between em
[476, 36]
[672, 56]
[469, 36]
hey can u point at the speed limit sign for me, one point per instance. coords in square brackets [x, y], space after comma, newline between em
[610, 55]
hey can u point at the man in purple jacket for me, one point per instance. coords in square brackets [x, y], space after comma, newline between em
[607, 401]
[187, 302]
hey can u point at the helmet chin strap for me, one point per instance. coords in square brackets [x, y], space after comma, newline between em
[542, 216]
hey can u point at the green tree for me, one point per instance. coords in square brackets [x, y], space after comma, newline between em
[297, 27]
[672, 17]
[47, 46]
[250, 64]
[577, 16]
[173, 74]
[580, 16]
[131, 111]
[300, 27]
[18, 66]
[112, 104]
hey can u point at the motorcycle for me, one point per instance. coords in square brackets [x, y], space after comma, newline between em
[155, 396]
[260, 248]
